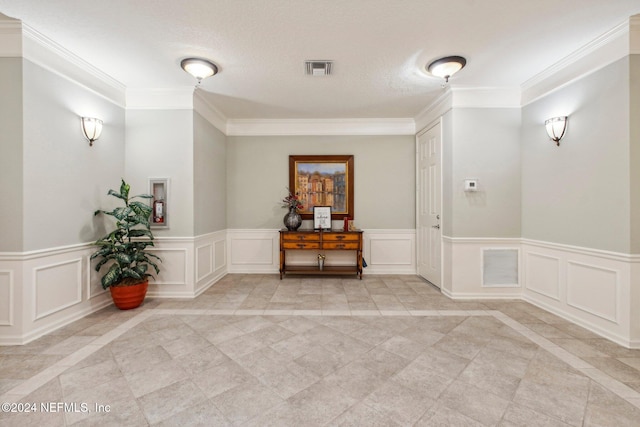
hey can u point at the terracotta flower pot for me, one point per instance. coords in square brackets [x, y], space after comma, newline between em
[128, 297]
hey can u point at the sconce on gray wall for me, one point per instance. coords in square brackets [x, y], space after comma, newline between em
[556, 127]
[91, 128]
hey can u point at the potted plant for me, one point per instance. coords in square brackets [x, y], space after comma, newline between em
[124, 250]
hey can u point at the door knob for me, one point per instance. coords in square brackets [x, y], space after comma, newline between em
[436, 226]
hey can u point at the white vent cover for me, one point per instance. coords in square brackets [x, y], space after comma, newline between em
[500, 267]
[318, 68]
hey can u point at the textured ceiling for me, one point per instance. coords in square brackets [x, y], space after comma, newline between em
[380, 47]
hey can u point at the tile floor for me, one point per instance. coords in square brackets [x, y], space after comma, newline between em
[385, 351]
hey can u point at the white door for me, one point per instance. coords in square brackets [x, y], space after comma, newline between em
[429, 144]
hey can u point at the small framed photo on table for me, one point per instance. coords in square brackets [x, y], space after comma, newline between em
[322, 217]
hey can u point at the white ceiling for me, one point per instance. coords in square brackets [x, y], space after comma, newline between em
[380, 47]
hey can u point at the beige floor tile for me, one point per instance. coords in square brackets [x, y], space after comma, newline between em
[360, 415]
[246, 401]
[202, 414]
[440, 416]
[182, 395]
[474, 402]
[323, 356]
[221, 378]
[398, 403]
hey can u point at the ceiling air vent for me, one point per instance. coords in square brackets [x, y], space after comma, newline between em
[318, 68]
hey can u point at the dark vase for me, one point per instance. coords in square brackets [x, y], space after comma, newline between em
[292, 220]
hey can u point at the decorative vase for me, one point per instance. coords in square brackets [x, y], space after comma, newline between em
[128, 297]
[292, 220]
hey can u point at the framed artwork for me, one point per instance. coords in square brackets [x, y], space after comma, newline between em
[323, 181]
[322, 217]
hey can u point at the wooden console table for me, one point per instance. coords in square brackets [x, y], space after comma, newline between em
[318, 241]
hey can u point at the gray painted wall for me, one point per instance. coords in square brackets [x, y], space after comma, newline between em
[210, 177]
[482, 144]
[65, 180]
[258, 175]
[579, 193]
[160, 145]
[634, 158]
[11, 185]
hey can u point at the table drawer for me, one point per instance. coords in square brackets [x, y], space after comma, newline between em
[301, 245]
[340, 245]
[341, 237]
[301, 237]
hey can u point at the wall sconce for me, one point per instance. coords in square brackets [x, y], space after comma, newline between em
[91, 128]
[556, 127]
[446, 67]
[199, 68]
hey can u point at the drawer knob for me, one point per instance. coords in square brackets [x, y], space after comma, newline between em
[301, 245]
[340, 237]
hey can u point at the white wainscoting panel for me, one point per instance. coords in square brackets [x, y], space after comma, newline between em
[253, 251]
[204, 261]
[6, 297]
[593, 289]
[210, 259]
[177, 269]
[220, 258]
[390, 251]
[543, 274]
[43, 290]
[464, 269]
[49, 290]
[385, 251]
[94, 284]
[589, 287]
[173, 268]
[57, 286]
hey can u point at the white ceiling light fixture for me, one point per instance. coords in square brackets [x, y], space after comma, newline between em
[556, 128]
[91, 128]
[199, 68]
[318, 67]
[446, 67]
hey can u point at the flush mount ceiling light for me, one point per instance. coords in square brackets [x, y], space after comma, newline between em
[556, 127]
[199, 68]
[91, 128]
[447, 66]
[318, 68]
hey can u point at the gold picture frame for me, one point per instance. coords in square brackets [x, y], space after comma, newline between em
[320, 180]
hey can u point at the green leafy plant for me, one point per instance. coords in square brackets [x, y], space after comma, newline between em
[126, 246]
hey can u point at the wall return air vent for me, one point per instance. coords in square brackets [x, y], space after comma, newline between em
[318, 68]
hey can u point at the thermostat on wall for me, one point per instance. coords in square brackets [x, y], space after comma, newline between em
[470, 185]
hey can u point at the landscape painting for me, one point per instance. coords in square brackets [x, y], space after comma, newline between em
[323, 181]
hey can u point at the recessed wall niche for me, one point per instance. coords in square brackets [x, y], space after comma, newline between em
[159, 189]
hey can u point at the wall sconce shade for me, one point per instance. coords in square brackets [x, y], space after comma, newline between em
[556, 127]
[447, 66]
[91, 128]
[199, 68]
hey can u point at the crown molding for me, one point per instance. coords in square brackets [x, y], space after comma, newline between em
[634, 35]
[209, 112]
[10, 38]
[51, 56]
[595, 55]
[20, 40]
[179, 98]
[486, 97]
[434, 111]
[272, 127]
